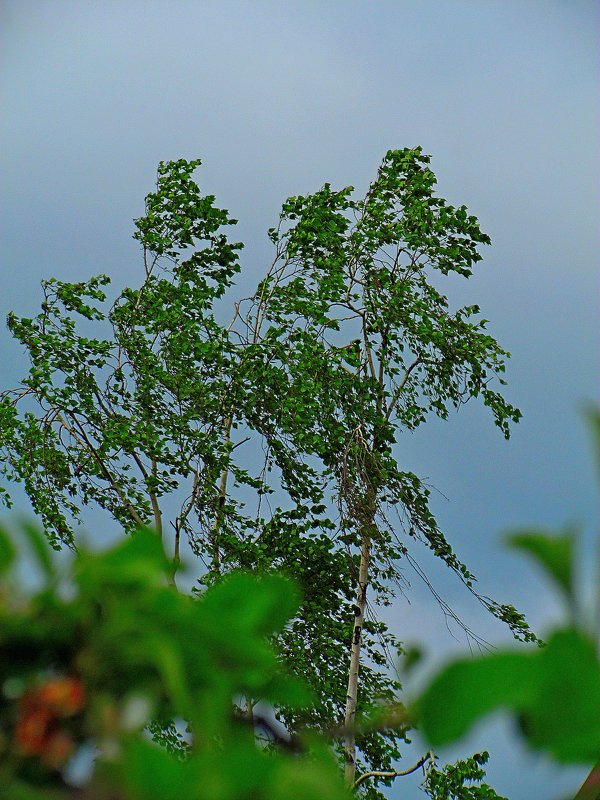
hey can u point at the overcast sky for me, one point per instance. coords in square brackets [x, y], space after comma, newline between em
[278, 97]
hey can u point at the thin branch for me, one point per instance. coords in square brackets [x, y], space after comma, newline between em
[87, 445]
[395, 773]
[157, 513]
[398, 392]
[176, 553]
[368, 348]
[235, 316]
[182, 518]
[155, 505]
[263, 301]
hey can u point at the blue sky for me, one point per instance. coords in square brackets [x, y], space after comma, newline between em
[279, 97]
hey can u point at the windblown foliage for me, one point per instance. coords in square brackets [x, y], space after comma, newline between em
[268, 441]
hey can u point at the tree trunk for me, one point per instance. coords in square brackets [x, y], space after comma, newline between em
[221, 501]
[351, 695]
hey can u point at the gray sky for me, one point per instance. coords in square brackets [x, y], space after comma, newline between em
[279, 97]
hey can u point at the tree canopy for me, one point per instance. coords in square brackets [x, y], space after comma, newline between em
[266, 437]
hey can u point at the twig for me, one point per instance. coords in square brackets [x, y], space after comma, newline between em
[395, 773]
[398, 391]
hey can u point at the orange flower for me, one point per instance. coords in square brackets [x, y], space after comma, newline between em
[37, 732]
[65, 696]
[32, 730]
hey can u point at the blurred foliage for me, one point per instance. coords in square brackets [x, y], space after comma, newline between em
[106, 656]
[91, 658]
[553, 692]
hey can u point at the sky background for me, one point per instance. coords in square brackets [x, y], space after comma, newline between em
[278, 97]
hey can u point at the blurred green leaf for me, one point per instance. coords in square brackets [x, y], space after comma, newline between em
[554, 691]
[285, 690]
[555, 554]
[261, 606]
[25, 791]
[167, 657]
[138, 561]
[7, 551]
[564, 715]
[153, 773]
[469, 689]
[319, 782]
[412, 656]
[592, 415]
[238, 771]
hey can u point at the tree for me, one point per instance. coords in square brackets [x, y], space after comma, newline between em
[345, 342]
[354, 300]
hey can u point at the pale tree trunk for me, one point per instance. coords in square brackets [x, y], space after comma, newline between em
[351, 695]
[222, 496]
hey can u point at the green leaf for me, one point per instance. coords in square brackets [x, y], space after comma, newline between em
[320, 782]
[25, 791]
[565, 715]
[467, 690]
[412, 656]
[7, 551]
[152, 772]
[262, 606]
[554, 692]
[555, 554]
[138, 561]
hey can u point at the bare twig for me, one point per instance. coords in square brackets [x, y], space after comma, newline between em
[394, 773]
[398, 392]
